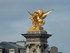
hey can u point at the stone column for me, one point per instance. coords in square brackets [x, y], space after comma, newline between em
[27, 49]
[38, 48]
[37, 41]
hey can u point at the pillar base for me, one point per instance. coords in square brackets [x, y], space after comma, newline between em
[36, 41]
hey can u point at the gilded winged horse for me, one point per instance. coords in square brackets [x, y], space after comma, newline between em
[37, 18]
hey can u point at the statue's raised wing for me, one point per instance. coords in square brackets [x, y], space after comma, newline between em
[46, 13]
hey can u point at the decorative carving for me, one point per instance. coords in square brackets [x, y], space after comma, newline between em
[34, 50]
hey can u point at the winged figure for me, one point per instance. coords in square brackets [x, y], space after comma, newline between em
[37, 18]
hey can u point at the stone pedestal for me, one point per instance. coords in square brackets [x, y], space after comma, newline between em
[36, 41]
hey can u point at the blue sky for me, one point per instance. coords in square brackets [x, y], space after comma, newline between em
[14, 20]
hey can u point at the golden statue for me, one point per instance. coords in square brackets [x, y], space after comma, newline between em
[37, 18]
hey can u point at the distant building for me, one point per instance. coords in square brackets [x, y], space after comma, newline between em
[11, 47]
[1, 49]
[21, 43]
[54, 49]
